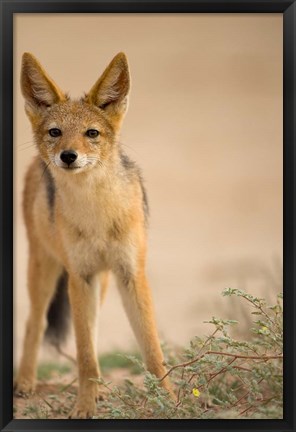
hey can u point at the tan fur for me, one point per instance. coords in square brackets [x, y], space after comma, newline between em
[95, 224]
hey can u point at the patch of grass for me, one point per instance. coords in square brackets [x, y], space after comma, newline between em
[47, 370]
[36, 411]
[115, 360]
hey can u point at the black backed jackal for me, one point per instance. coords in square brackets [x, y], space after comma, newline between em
[85, 211]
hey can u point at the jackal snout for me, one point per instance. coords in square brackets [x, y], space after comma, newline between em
[68, 157]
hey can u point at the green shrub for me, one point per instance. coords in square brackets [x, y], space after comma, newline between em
[114, 360]
[216, 377]
[47, 370]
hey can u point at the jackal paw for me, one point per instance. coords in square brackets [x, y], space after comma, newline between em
[23, 388]
[84, 409]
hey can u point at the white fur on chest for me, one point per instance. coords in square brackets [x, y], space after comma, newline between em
[88, 214]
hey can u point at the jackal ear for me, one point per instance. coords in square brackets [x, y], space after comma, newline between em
[39, 90]
[110, 92]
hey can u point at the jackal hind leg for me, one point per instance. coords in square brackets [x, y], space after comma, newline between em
[43, 273]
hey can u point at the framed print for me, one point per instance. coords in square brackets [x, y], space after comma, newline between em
[147, 217]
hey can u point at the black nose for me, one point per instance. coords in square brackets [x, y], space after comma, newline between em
[68, 156]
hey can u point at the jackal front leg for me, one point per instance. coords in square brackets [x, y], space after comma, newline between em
[84, 304]
[137, 301]
[43, 273]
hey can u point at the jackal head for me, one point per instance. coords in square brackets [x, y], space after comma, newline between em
[76, 135]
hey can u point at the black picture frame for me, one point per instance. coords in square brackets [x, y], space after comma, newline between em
[8, 8]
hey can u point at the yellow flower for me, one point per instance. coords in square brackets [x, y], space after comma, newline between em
[264, 330]
[196, 392]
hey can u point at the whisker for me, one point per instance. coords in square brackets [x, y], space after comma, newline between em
[26, 148]
[27, 142]
[129, 147]
[92, 157]
[46, 166]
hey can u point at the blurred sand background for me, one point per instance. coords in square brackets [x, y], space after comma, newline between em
[205, 125]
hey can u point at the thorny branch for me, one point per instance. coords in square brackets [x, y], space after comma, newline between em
[236, 356]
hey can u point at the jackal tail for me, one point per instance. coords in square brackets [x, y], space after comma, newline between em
[58, 314]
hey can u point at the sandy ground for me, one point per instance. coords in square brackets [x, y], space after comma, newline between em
[205, 125]
[55, 398]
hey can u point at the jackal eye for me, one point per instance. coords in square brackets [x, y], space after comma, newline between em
[92, 133]
[55, 132]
